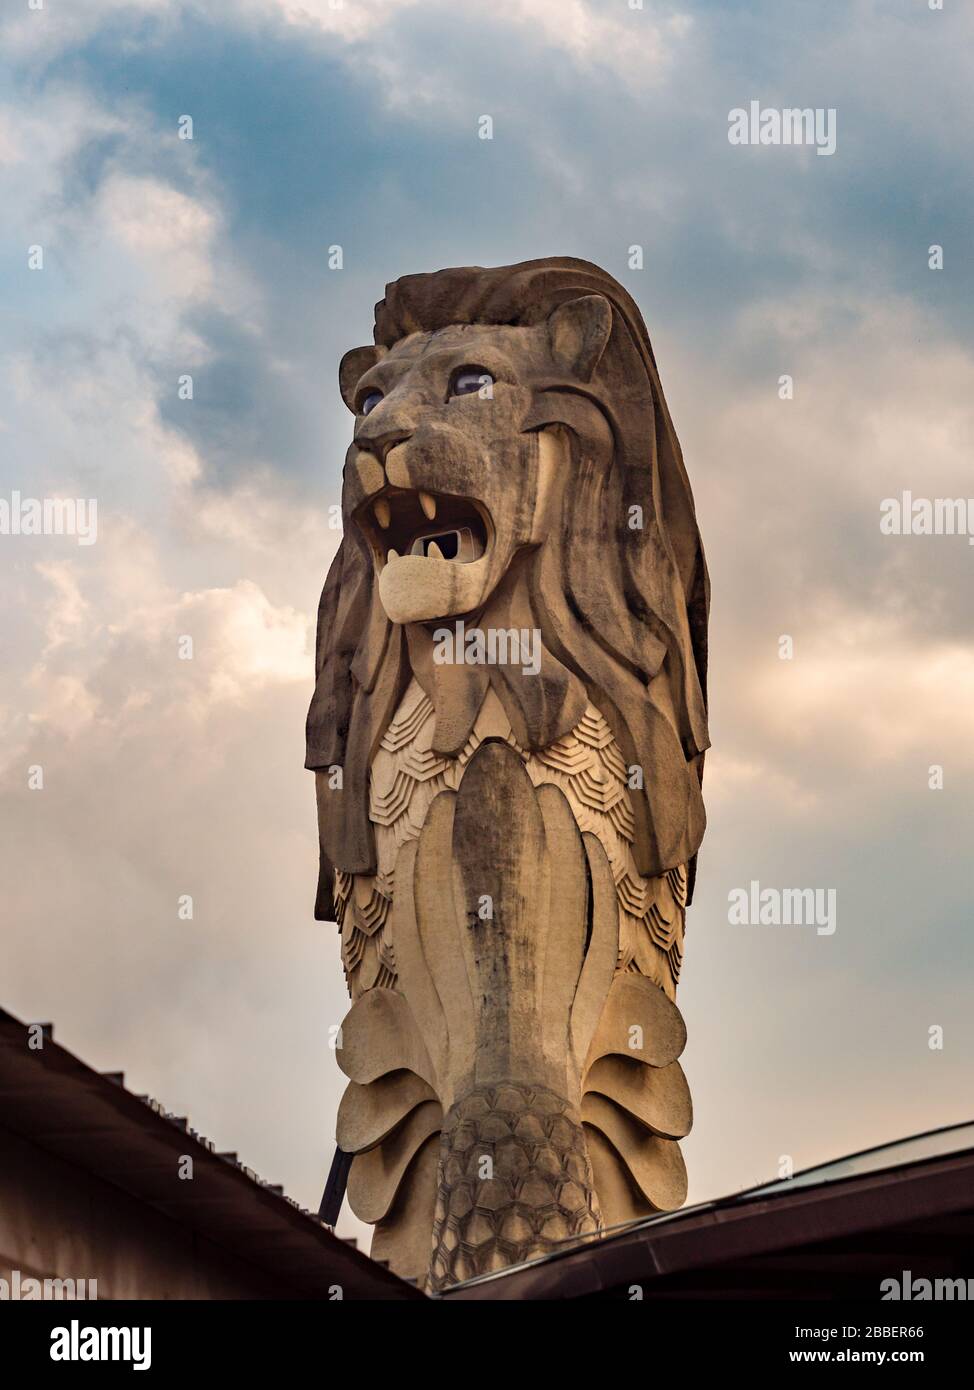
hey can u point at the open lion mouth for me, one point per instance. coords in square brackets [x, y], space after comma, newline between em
[437, 526]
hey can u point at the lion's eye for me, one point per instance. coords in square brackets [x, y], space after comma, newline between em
[370, 402]
[469, 380]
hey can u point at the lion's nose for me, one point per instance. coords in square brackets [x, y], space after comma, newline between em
[379, 441]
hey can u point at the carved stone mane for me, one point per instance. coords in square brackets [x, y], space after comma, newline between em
[508, 830]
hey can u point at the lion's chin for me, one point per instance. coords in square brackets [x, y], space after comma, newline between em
[420, 589]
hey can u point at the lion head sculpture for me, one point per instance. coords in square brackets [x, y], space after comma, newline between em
[518, 411]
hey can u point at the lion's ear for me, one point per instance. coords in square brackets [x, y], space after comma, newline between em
[353, 367]
[578, 331]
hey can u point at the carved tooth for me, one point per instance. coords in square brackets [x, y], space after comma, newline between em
[428, 505]
[383, 514]
[433, 551]
[392, 555]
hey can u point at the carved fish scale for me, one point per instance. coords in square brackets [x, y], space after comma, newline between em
[514, 1177]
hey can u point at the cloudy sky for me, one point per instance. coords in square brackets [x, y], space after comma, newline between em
[318, 124]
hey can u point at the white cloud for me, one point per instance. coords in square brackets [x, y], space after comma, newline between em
[44, 33]
[67, 609]
[637, 46]
[860, 692]
[350, 19]
[244, 642]
[122, 616]
[170, 234]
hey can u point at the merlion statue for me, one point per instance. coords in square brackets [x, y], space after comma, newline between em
[508, 731]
